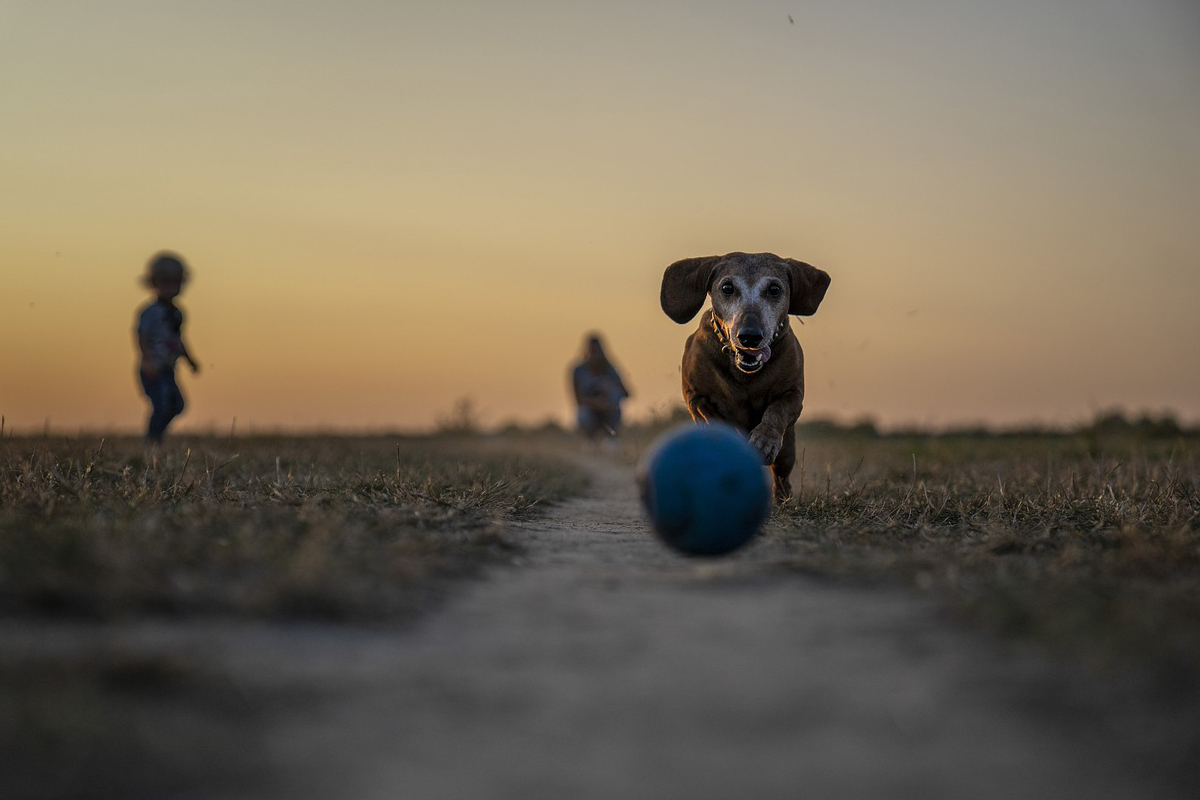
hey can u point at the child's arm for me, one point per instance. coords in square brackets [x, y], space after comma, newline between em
[187, 355]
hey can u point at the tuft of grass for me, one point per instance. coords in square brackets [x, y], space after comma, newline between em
[1089, 549]
[334, 527]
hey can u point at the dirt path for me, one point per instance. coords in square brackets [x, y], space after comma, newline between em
[605, 666]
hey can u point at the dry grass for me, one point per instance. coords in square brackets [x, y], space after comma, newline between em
[1089, 545]
[327, 527]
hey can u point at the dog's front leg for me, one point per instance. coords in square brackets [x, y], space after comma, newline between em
[767, 435]
[768, 439]
[702, 408]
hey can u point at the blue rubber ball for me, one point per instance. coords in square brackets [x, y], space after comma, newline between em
[705, 489]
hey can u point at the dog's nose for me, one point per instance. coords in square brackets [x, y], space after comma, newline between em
[750, 337]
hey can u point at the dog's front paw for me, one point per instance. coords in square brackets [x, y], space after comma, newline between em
[767, 442]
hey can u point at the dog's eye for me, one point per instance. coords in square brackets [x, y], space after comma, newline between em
[774, 290]
[727, 288]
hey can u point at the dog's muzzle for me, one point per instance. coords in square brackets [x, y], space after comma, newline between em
[750, 359]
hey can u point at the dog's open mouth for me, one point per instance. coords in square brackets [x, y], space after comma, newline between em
[751, 359]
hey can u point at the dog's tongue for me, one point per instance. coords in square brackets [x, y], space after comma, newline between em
[763, 353]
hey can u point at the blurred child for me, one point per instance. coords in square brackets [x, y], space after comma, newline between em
[160, 342]
[598, 391]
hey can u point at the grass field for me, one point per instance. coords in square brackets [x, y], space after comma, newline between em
[1087, 543]
[318, 526]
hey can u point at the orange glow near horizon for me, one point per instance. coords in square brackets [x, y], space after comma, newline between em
[388, 209]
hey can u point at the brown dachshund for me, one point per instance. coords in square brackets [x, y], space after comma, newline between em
[744, 365]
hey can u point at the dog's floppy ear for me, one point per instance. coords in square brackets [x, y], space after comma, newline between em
[808, 285]
[685, 284]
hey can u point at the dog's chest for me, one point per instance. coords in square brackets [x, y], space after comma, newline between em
[738, 397]
[743, 402]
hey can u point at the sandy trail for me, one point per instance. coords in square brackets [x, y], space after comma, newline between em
[608, 667]
[604, 666]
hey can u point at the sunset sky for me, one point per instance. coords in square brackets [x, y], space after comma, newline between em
[388, 206]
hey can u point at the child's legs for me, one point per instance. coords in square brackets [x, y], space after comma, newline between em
[175, 397]
[612, 419]
[166, 403]
[594, 422]
[589, 421]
